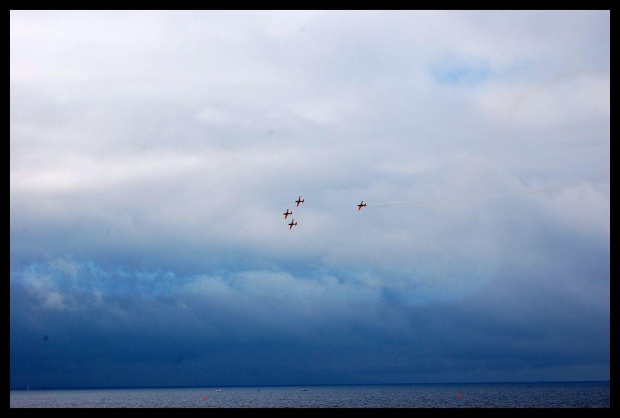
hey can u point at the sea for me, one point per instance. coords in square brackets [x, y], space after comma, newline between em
[454, 395]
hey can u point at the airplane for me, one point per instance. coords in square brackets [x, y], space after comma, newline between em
[361, 205]
[299, 200]
[292, 224]
[288, 212]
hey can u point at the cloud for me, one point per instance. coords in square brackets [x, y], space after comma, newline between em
[153, 154]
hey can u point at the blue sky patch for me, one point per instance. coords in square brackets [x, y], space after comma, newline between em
[456, 71]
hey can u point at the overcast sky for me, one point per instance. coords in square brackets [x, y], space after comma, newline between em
[153, 154]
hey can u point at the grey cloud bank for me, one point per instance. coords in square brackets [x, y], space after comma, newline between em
[153, 154]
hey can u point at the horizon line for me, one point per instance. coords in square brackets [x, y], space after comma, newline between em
[27, 388]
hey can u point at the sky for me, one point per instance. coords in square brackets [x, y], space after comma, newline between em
[154, 153]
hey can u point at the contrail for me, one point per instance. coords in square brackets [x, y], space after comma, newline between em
[446, 202]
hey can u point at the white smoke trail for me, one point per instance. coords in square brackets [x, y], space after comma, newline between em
[478, 199]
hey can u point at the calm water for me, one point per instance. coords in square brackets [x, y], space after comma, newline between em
[473, 395]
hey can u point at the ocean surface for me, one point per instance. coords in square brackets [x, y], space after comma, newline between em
[470, 395]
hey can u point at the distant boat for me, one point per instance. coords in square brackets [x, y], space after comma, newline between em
[305, 390]
[218, 390]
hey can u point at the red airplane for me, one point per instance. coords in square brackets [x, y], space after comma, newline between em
[292, 224]
[361, 205]
[288, 212]
[299, 200]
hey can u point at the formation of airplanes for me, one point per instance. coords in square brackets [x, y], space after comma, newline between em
[300, 200]
[290, 212]
[292, 223]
